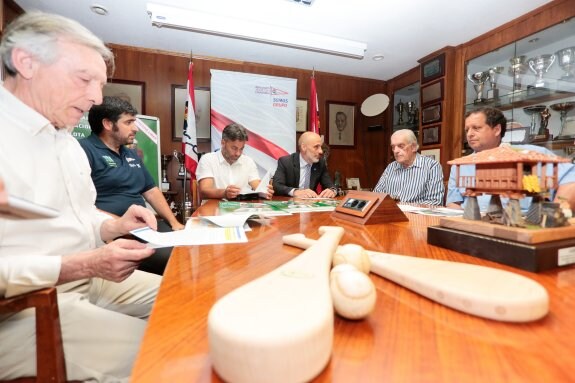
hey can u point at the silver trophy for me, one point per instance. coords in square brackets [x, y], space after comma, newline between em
[540, 65]
[411, 112]
[517, 69]
[181, 159]
[563, 108]
[533, 111]
[478, 79]
[399, 107]
[566, 61]
[165, 185]
[493, 93]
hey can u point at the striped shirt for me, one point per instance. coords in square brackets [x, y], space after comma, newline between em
[422, 182]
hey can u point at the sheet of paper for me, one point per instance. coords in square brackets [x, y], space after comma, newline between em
[262, 188]
[207, 236]
[434, 211]
[314, 199]
[261, 211]
[18, 208]
[310, 205]
[194, 223]
[228, 220]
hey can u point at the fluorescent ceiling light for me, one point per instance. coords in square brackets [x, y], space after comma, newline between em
[304, 2]
[180, 18]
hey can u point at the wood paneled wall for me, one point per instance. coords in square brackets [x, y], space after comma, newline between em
[159, 70]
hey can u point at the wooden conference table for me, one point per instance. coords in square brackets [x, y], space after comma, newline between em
[407, 338]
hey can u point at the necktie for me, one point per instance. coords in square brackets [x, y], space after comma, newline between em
[305, 181]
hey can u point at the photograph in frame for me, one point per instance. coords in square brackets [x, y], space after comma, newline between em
[353, 183]
[431, 135]
[431, 113]
[433, 68]
[301, 115]
[434, 154]
[516, 135]
[131, 91]
[202, 111]
[432, 93]
[341, 123]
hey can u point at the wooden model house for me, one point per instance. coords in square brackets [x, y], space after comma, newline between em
[506, 172]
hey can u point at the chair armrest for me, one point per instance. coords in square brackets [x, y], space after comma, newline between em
[50, 364]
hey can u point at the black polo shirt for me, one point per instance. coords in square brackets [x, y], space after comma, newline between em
[120, 179]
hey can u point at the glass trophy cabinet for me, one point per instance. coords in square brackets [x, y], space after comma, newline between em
[406, 108]
[533, 82]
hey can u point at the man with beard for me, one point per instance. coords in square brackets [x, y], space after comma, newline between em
[298, 174]
[119, 174]
[223, 174]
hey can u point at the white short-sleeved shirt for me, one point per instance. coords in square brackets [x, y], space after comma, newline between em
[47, 166]
[240, 173]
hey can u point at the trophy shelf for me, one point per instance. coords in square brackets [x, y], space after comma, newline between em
[406, 105]
[532, 81]
[522, 99]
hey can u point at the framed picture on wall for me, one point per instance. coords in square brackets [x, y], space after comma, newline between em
[432, 93]
[131, 91]
[431, 113]
[434, 154]
[432, 69]
[202, 111]
[431, 135]
[341, 123]
[301, 115]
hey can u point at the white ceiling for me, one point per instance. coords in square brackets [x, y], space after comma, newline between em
[402, 31]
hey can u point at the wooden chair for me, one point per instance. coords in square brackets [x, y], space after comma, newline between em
[50, 362]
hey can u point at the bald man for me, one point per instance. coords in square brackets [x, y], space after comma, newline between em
[298, 174]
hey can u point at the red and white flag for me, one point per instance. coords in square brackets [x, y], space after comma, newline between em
[189, 141]
[314, 107]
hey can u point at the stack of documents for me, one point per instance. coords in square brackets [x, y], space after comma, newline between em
[198, 235]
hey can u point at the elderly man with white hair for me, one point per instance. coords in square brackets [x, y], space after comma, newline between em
[411, 178]
[55, 70]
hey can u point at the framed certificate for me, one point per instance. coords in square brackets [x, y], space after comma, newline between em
[432, 69]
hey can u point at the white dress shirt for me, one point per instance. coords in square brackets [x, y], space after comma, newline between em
[240, 173]
[47, 166]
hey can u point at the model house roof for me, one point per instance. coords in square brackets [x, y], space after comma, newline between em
[504, 154]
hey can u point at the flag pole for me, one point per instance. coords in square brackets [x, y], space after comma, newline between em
[186, 198]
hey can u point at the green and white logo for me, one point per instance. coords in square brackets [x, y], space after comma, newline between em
[109, 161]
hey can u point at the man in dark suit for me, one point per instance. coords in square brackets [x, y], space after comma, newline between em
[298, 174]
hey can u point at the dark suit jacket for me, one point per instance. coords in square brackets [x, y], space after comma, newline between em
[287, 175]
